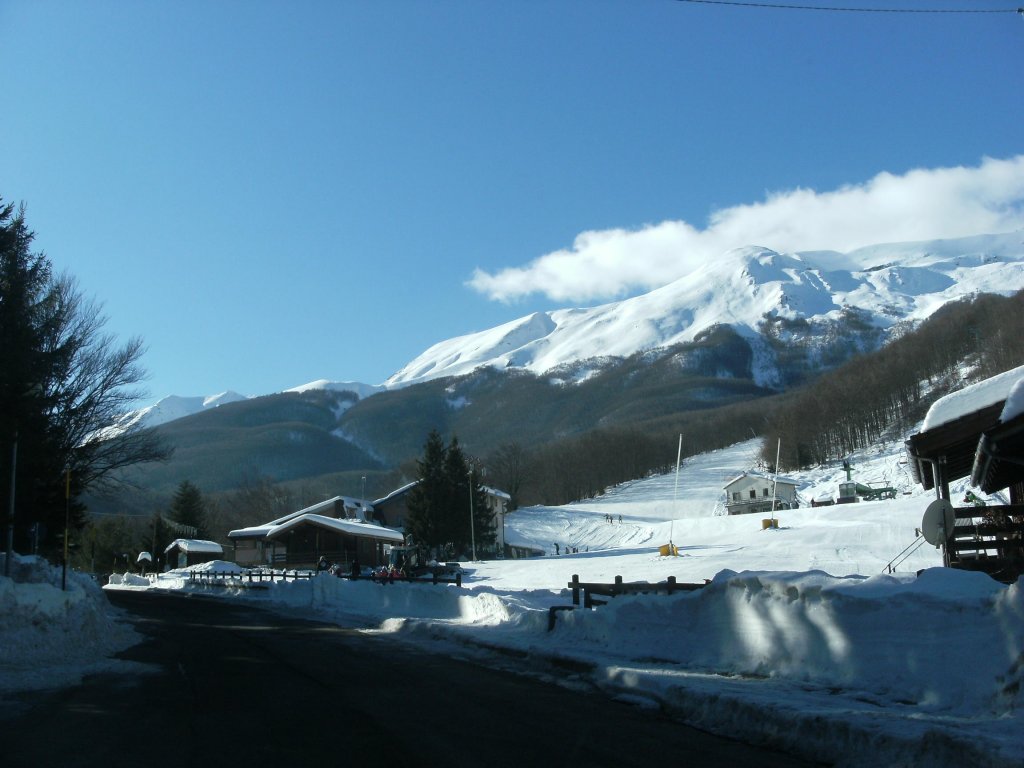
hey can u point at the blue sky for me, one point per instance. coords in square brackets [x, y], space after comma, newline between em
[270, 193]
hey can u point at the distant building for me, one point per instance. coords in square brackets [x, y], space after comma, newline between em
[752, 493]
[182, 553]
[392, 510]
[498, 503]
[338, 529]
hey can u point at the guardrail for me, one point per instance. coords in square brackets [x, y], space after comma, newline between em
[588, 589]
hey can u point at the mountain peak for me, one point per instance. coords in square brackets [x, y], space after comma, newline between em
[747, 284]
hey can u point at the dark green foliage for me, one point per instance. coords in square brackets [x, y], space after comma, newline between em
[62, 382]
[188, 509]
[429, 501]
[283, 437]
[439, 505]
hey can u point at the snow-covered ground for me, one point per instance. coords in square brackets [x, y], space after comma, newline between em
[802, 639]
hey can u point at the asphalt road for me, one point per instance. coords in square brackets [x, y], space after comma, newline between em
[232, 685]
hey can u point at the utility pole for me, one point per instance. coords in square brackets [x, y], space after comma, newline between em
[472, 532]
[9, 548]
[67, 525]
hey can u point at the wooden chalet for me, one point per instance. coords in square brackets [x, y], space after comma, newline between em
[336, 529]
[978, 433]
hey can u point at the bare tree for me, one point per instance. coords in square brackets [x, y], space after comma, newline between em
[64, 388]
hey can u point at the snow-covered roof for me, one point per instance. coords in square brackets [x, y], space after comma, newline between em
[973, 398]
[762, 476]
[1014, 405]
[495, 492]
[196, 545]
[397, 492]
[405, 489]
[348, 527]
[257, 531]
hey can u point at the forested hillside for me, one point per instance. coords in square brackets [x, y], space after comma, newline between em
[890, 390]
[871, 397]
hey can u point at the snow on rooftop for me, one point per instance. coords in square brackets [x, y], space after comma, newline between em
[763, 476]
[394, 493]
[348, 527]
[195, 545]
[972, 398]
[1014, 402]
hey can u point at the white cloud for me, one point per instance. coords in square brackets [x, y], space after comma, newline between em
[923, 204]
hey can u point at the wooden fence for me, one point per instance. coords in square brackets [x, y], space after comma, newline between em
[588, 589]
[989, 539]
[247, 578]
[255, 578]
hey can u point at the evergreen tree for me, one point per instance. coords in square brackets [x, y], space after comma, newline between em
[439, 505]
[188, 509]
[476, 537]
[63, 384]
[428, 498]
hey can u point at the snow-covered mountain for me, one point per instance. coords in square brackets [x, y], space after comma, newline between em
[175, 407]
[886, 283]
[754, 290]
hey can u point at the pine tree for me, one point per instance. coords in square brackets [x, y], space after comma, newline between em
[466, 537]
[188, 509]
[439, 505]
[428, 498]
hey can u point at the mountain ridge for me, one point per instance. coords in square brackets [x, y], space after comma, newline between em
[767, 297]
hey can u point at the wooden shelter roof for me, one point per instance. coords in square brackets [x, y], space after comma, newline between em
[999, 458]
[953, 444]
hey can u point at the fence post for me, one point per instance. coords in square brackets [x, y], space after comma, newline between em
[618, 585]
[671, 584]
[575, 589]
[458, 579]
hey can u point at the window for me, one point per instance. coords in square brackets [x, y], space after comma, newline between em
[753, 493]
[766, 493]
[735, 495]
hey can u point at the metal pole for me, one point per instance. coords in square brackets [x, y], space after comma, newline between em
[472, 532]
[775, 482]
[67, 522]
[675, 492]
[9, 549]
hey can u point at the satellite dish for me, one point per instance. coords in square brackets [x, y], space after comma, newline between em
[938, 521]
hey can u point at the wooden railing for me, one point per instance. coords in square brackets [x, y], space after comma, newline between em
[246, 578]
[989, 539]
[256, 577]
[588, 589]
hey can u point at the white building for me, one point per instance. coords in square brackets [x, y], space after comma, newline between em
[752, 492]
